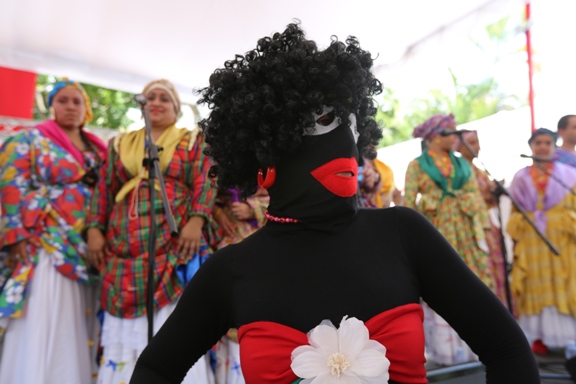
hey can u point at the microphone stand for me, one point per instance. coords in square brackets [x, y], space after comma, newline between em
[152, 162]
[501, 190]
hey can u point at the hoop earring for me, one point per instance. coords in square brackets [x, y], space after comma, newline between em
[52, 112]
[270, 177]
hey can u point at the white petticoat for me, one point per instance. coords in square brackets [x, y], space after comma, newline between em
[125, 339]
[228, 370]
[553, 328]
[50, 343]
[443, 345]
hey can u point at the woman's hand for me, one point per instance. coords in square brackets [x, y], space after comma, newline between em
[190, 236]
[397, 197]
[17, 252]
[490, 241]
[228, 227]
[242, 211]
[97, 247]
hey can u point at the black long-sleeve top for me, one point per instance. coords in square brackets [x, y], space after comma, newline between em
[285, 273]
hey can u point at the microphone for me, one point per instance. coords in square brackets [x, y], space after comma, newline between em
[140, 99]
[536, 158]
[454, 132]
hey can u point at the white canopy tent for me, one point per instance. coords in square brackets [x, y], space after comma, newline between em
[122, 44]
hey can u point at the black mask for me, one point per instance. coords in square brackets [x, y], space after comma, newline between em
[307, 187]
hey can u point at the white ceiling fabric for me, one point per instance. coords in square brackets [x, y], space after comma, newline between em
[122, 44]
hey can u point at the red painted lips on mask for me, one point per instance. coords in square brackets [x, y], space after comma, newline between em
[331, 176]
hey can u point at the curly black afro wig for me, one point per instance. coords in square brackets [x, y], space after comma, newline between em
[261, 103]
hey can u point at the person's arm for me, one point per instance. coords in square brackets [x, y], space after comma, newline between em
[203, 194]
[201, 318]
[517, 224]
[104, 194]
[411, 185]
[455, 293]
[99, 209]
[259, 204]
[473, 204]
[203, 190]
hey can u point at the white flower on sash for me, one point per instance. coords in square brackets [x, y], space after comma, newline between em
[345, 355]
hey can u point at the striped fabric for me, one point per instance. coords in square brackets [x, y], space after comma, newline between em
[126, 225]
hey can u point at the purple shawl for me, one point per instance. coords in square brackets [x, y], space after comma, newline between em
[525, 193]
[52, 130]
[565, 157]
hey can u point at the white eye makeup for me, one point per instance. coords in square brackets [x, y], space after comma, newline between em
[353, 127]
[327, 122]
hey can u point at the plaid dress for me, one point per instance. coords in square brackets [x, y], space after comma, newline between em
[126, 225]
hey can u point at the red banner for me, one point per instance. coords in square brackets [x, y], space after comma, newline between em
[17, 90]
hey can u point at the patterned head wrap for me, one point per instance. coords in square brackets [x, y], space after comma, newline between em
[65, 83]
[542, 131]
[166, 86]
[433, 126]
[465, 136]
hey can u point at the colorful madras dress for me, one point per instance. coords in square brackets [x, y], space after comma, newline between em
[47, 308]
[544, 285]
[121, 210]
[455, 207]
[228, 369]
[496, 260]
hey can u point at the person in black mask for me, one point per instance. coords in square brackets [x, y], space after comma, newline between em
[324, 292]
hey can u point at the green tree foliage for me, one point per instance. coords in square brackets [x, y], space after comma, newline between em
[109, 106]
[468, 102]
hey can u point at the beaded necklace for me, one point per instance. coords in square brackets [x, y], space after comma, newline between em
[283, 220]
[443, 163]
[540, 177]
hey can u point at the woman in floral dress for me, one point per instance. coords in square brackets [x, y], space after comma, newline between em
[46, 299]
[442, 187]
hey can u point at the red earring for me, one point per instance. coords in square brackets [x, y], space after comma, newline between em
[270, 177]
